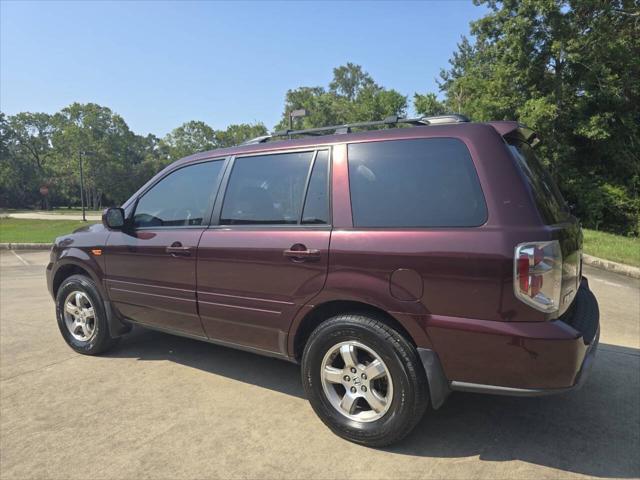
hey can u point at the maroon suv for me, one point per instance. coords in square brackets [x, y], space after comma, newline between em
[395, 265]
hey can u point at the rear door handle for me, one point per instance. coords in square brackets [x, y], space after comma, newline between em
[175, 251]
[308, 254]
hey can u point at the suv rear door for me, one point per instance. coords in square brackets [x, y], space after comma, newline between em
[416, 238]
[266, 252]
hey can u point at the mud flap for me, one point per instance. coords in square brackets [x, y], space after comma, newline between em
[117, 327]
[438, 384]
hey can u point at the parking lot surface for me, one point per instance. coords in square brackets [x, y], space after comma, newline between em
[160, 406]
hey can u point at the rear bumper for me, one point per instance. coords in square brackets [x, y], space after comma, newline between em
[581, 378]
[523, 359]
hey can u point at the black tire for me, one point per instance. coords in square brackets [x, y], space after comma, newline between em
[410, 394]
[101, 340]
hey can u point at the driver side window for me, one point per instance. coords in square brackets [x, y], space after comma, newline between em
[180, 199]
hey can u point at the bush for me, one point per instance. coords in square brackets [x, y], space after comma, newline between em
[603, 206]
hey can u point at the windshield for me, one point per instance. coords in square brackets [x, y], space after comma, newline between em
[545, 192]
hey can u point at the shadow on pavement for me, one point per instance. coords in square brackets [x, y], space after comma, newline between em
[593, 431]
[271, 373]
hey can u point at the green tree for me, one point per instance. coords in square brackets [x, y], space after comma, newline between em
[236, 134]
[104, 143]
[196, 136]
[352, 96]
[428, 104]
[38, 149]
[25, 153]
[154, 155]
[350, 80]
[189, 138]
[570, 70]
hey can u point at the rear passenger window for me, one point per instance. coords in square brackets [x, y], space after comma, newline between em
[414, 183]
[266, 189]
[316, 205]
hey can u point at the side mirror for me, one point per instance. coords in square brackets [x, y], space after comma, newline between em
[113, 218]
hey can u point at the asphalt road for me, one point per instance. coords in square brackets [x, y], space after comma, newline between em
[166, 407]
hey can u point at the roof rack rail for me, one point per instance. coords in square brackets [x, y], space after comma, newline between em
[346, 128]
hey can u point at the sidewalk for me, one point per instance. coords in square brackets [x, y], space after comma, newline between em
[53, 216]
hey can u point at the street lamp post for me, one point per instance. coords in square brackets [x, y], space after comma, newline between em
[84, 218]
[301, 112]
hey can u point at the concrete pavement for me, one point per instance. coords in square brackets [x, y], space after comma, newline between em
[161, 406]
[54, 216]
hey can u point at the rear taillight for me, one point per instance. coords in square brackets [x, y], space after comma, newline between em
[537, 276]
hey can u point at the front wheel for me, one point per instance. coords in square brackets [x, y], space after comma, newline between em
[82, 319]
[364, 380]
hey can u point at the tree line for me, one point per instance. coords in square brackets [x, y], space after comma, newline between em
[569, 69]
[41, 150]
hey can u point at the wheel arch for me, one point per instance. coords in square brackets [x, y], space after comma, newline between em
[436, 379]
[67, 269]
[324, 311]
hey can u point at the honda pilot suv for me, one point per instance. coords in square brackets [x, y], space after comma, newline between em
[396, 265]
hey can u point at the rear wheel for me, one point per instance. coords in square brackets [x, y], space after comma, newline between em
[81, 316]
[364, 380]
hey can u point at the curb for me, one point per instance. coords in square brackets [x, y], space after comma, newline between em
[621, 268]
[26, 246]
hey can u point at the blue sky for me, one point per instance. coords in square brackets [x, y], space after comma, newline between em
[159, 64]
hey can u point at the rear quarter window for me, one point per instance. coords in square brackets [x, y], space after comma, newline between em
[544, 190]
[415, 183]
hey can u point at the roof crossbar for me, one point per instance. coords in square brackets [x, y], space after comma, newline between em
[347, 127]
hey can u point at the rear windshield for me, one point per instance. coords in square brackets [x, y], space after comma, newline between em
[415, 183]
[548, 198]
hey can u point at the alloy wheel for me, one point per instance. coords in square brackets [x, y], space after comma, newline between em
[356, 381]
[79, 316]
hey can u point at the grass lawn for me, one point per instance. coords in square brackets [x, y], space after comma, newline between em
[612, 247]
[14, 230]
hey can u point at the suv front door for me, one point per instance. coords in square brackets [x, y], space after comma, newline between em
[266, 253]
[151, 264]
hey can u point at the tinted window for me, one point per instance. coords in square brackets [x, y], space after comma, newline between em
[316, 205]
[545, 192]
[266, 189]
[414, 183]
[179, 199]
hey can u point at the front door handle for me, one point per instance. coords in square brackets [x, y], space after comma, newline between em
[301, 253]
[176, 249]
